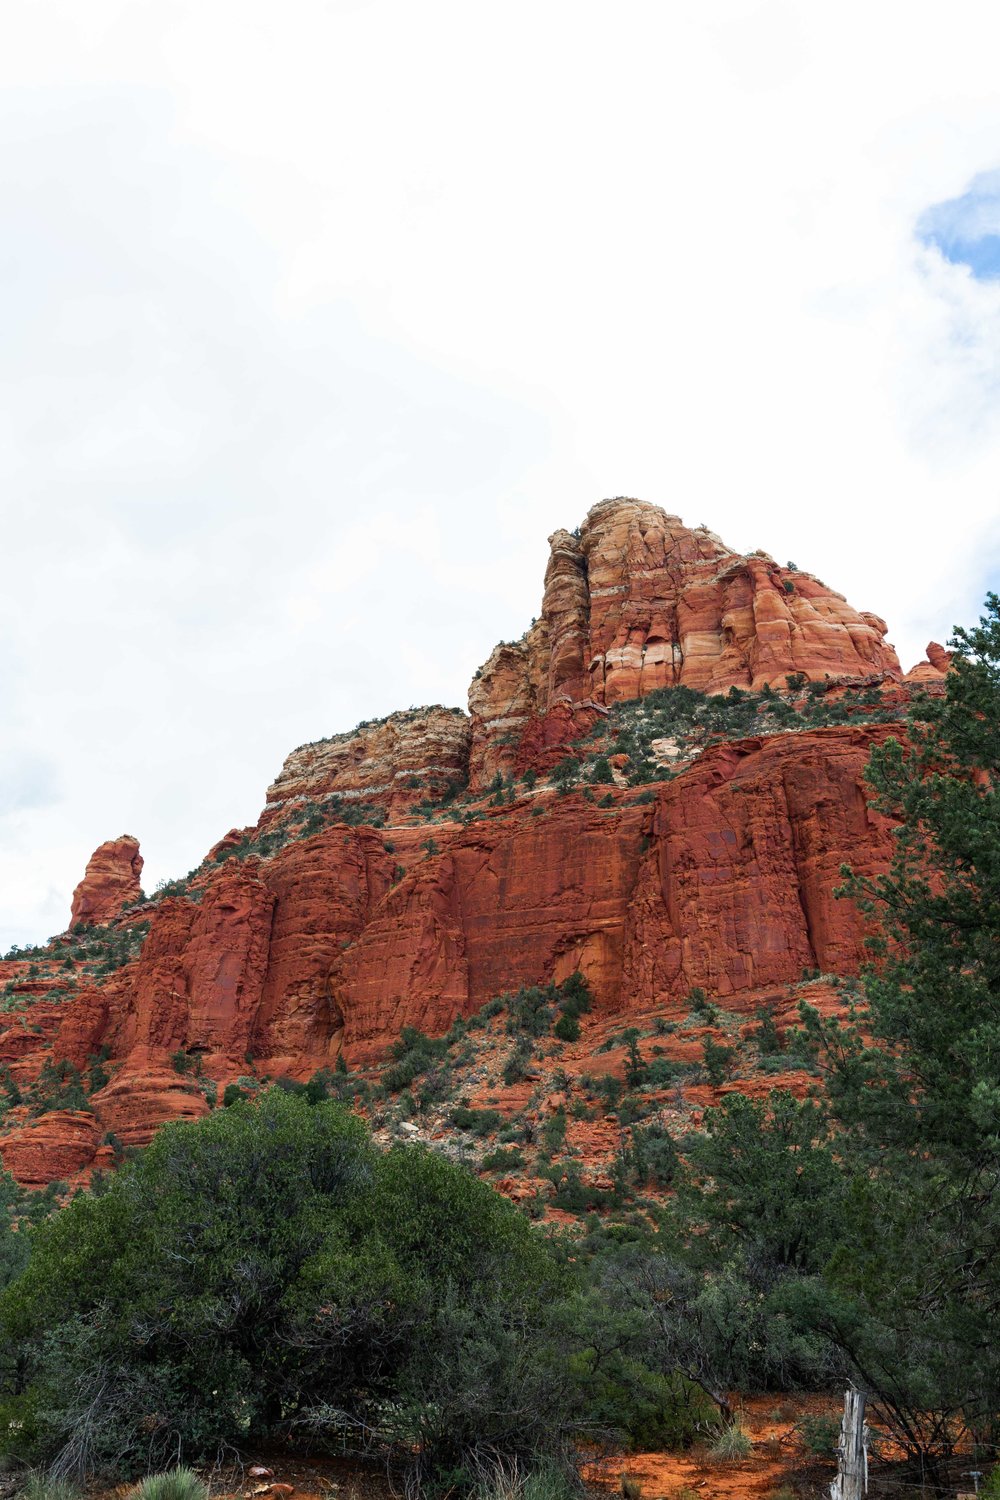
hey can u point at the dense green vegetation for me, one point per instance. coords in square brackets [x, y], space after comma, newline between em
[268, 1273]
[866, 1226]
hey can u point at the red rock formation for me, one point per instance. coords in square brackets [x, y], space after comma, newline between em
[325, 889]
[144, 1096]
[721, 877]
[53, 1148]
[737, 891]
[393, 762]
[111, 881]
[637, 601]
[930, 674]
[513, 900]
[197, 984]
[725, 882]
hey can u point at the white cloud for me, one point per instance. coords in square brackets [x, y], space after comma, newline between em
[318, 321]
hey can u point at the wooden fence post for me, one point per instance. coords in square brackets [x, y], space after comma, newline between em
[851, 1482]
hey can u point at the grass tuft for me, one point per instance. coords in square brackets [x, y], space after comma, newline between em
[175, 1484]
[38, 1486]
[732, 1443]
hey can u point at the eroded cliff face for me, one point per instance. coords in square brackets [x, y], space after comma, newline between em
[929, 674]
[723, 879]
[366, 899]
[112, 880]
[409, 757]
[638, 601]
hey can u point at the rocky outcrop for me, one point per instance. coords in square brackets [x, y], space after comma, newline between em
[316, 933]
[637, 601]
[930, 673]
[737, 891]
[51, 1149]
[197, 983]
[111, 882]
[726, 881]
[146, 1094]
[325, 890]
[393, 763]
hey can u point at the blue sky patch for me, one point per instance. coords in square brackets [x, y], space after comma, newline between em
[966, 230]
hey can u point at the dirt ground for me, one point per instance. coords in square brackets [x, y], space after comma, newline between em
[778, 1462]
[778, 1465]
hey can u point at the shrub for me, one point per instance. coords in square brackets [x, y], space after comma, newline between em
[609, 1090]
[508, 1159]
[174, 1484]
[718, 1061]
[646, 1410]
[572, 1193]
[44, 1487]
[820, 1434]
[267, 1264]
[567, 1029]
[478, 1121]
[779, 1062]
[554, 1131]
[654, 1155]
[565, 773]
[767, 1036]
[991, 1489]
[636, 1071]
[58, 1086]
[516, 1066]
[701, 1005]
[530, 1010]
[413, 1054]
[732, 1443]
[661, 1071]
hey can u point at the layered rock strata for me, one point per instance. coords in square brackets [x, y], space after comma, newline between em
[930, 673]
[112, 880]
[724, 879]
[393, 763]
[287, 950]
[637, 601]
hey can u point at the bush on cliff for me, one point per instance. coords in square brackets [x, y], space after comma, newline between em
[267, 1272]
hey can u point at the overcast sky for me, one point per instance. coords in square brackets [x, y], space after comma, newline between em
[318, 318]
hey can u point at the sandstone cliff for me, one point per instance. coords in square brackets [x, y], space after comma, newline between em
[378, 891]
[724, 880]
[392, 763]
[111, 881]
[636, 601]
